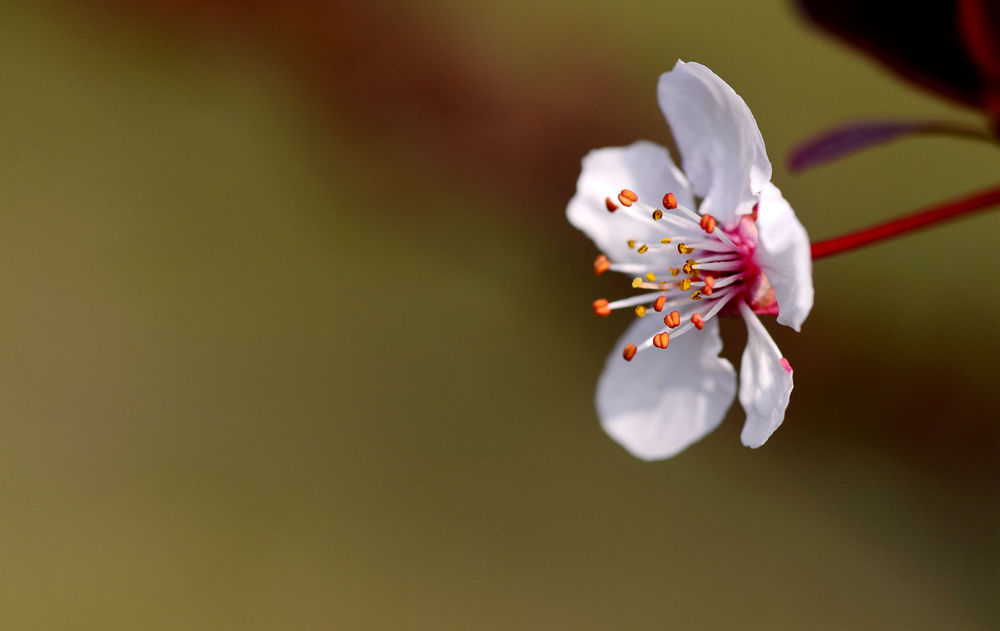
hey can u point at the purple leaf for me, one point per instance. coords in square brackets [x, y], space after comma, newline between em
[852, 137]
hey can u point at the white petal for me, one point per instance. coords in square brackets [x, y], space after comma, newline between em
[642, 167]
[783, 253]
[721, 148]
[664, 400]
[765, 382]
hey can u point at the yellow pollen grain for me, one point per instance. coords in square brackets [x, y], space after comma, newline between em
[684, 249]
[665, 241]
[685, 284]
[636, 283]
[631, 244]
[643, 249]
[640, 311]
[696, 295]
[657, 214]
[651, 277]
[674, 271]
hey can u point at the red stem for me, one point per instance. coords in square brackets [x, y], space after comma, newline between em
[912, 221]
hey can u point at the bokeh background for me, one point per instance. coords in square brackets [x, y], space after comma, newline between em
[295, 335]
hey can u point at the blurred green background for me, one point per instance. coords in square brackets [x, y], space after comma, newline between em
[295, 335]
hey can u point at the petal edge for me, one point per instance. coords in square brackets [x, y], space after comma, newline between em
[664, 400]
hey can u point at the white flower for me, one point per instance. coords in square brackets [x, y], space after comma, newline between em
[743, 252]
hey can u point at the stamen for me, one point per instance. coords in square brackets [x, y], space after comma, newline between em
[720, 301]
[601, 307]
[643, 249]
[629, 352]
[685, 284]
[610, 205]
[690, 214]
[631, 244]
[722, 236]
[719, 266]
[697, 321]
[627, 197]
[665, 241]
[651, 277]
[709, 282]
[719, 258]
[644, 212]
[710, 245]
[669, 201]
[657, 214]
[631, 301]
[684, 249]
[707, 223]
[601, 264]
[725, 280]
[658, 305]
[672, 319]
[661, 286]
[628, 268]
[640, 311]
[661, 340]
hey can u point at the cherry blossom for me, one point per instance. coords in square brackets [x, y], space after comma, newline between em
[716, 239]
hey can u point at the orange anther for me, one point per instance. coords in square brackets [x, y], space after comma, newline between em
[601, 307]
[697, 321]
[626, 197]
[709, 286]
[610, 205]
[669, 201]
[660, 301]
[629, 352]
[661, 340]
[707, 223]
[601, 264]
[672, 319]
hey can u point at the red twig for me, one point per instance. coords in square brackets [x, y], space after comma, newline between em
[912, 221]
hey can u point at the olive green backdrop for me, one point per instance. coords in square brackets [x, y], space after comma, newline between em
[274, 355]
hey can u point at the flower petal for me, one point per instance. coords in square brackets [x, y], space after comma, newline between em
[783, 252]
[765, 382]
[664, 400]
[721, 148]
[643, 167]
